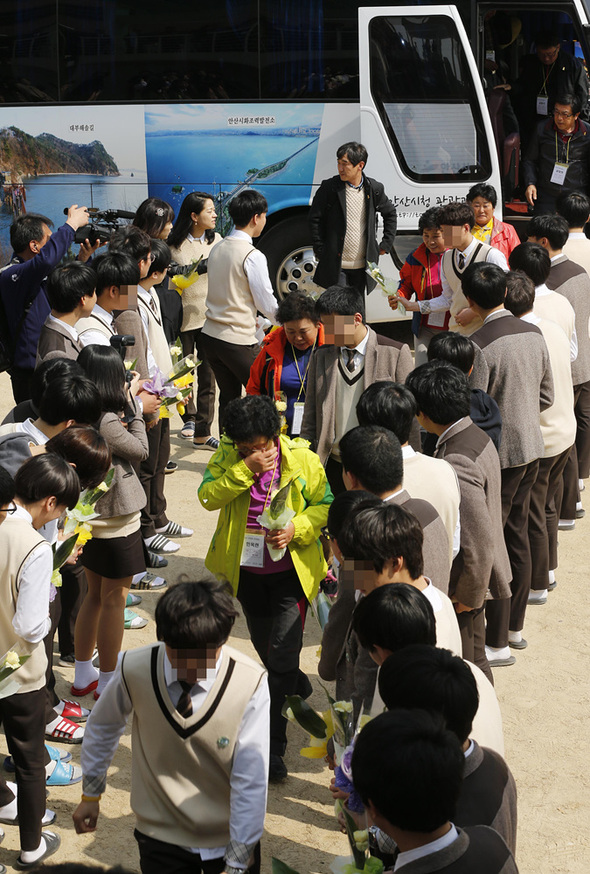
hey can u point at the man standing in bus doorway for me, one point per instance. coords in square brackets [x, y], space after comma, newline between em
[343, 222]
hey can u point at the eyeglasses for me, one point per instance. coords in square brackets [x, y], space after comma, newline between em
[8, 510]
[561, 114]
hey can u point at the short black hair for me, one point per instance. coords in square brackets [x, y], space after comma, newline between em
[355, 152]
[394, 616]
[67, 285]
[27, 228]
[85, 448]
[342, 506]
[162, 256]
[195, 615]
[455, 348]
[546, 39]
[571, 100]
[6, 488]
[422, 677]
[45, 476]
[70, 397]
[115, 268]
[340, 300]
[554, 227]
[484, 284]
[152, 216]
[409, 767]
[389, 404]
[133, 241]
[533, 259]
[249, 417]
[374, 456]
[574, 206]
[520, 293]
[53, 368]
[482, 189]
[245, 205]
[441, 390]
[295, 306]
[103, 365]
[381, 533]
[457, 214]
[429, 220]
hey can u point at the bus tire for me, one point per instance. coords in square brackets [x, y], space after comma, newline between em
[290, 256]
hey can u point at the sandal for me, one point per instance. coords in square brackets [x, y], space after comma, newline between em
[148, 581]
[160, 543]
[155, 560]
[66, 731]
[188, 430]
[64, 775]
[132, 620]
[211, 443]
[132, 600]
[74, 711]
[173, 529]
[54, 754]
[79, 693]
[52, 844]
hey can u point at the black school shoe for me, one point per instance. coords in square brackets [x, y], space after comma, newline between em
[277, 770]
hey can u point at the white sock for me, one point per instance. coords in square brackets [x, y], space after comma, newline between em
[551, 576]
[515, 636]
[499, 651]
[9, 811]
[85, 674]
[30, 856]
[537, 594]
[581, 485]
[103, 679]
[579, 505]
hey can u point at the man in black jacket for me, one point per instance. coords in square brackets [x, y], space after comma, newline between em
[343, 221]
[558, 157]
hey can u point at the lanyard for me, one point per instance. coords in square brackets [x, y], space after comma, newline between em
[567, 151]
[545, 80]
[304, 377]
[274, 470]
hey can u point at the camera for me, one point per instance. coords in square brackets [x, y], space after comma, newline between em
[120, 343]
[103, 224]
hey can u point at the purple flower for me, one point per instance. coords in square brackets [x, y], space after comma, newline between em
[159, 386]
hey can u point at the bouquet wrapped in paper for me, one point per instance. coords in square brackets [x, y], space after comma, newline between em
[387, 285]
[276, 516]
[174, 388]
[10, 662]
[186, 275]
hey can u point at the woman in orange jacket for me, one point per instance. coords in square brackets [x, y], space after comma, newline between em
[281, 368]
[502, 236]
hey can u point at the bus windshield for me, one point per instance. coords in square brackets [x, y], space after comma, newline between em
[435, 128]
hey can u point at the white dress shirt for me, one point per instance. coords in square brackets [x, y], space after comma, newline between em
[249, 776]
[69, 328]
[443, 302]
[256, 270]
[427, 849]
[359, 353]
[31, 617]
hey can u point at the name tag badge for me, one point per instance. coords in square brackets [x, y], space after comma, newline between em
[298, 409]
[436, 319]
[559, 173]
[542, 105]
[253, 549]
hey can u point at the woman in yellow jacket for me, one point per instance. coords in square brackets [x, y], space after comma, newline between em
[253, 461]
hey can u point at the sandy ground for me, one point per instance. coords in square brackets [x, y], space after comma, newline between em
[545, 700]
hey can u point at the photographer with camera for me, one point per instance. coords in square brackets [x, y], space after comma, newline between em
[23, 301]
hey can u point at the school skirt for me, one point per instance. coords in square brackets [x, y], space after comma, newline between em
[115, 557]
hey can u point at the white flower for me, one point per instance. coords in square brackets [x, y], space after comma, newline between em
[343, 706]
[12, 660]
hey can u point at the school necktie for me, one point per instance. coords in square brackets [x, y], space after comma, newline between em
[350, 360]
[185, 705]
[153, 307]
[461, 260]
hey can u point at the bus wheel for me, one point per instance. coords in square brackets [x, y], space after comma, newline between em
[291, 260]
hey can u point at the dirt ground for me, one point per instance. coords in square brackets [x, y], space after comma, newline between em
[545, 699]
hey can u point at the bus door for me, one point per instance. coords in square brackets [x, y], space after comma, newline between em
[424, 119]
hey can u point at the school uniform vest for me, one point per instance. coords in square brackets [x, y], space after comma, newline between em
[18, 541]
[180, 783]
[454, 277]
[349, 388]
[94, 323]
[230, 309]
[156, 336]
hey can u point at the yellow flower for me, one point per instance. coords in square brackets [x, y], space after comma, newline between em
[164, 412]
[12, 660]
[366, 717]
[361, 839]
[318, 748]
[329, 720]
[56, 579]
[184, 381]
[180, 408]
[281, 406]
[102, 487]
[343, 706]
[84, 533]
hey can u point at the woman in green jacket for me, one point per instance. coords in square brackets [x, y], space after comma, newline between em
[252, 463]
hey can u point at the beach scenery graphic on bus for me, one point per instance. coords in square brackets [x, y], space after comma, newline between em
[113, 157]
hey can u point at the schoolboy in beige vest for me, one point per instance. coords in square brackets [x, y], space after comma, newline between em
[44, 486]
[200, 740]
